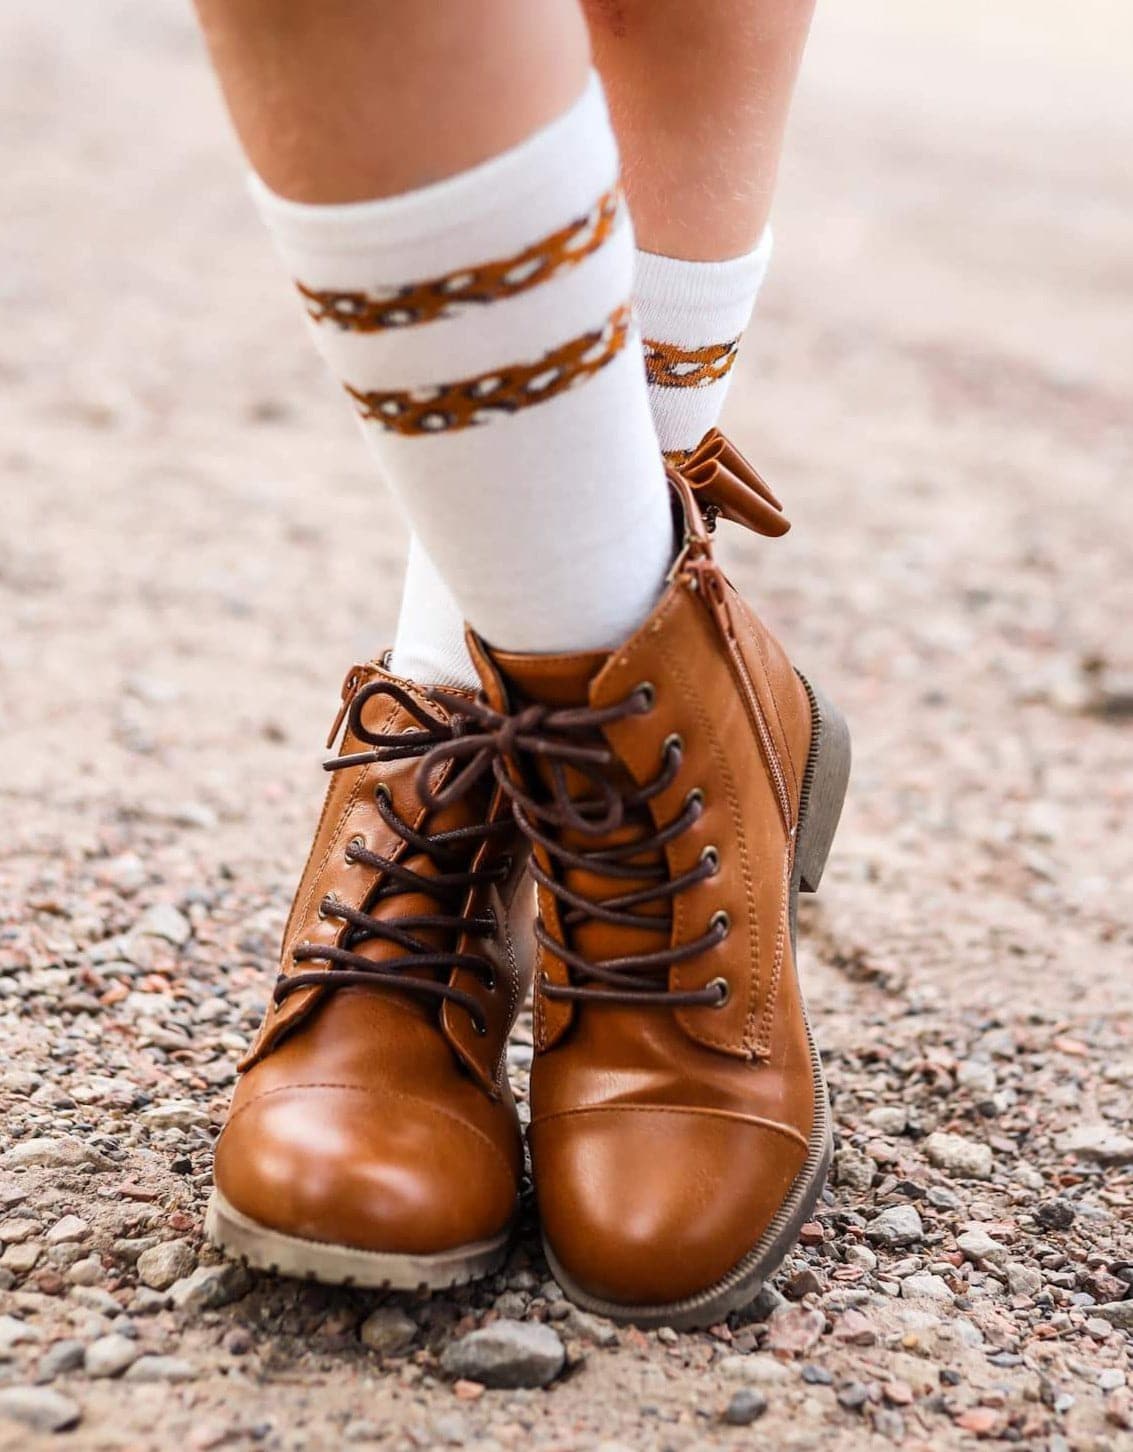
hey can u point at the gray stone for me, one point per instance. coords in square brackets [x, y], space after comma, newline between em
[1055, 1214]
[13, 1333]
[38, 1408]
[450, 1430]
[890, 1119]
[388, 1330]
[126, 872]
[17, 1229]
[861, 1255]
[148, 1303]
[1117, 1313]
[48, 1152]
[57, 1360]
[978, 1075]
[585, 1327]
[895, 1226]
[924, 1286]
[506, 1354]
[1022, 1279]
[86, 1272]
[746, 1406]
[163, 920]
[210, 1286]
[175, 1114]
[853, 1395]
[980, 1247]
[756, 1370]
[22, 1258]
[854, 1170]
[359, 1430]
[71, 1227]
[94, 1298]
[764, 1306]
[968, 1159]
[160, 1368]
[194, 814]
[166, 1262]
[1098, 1142]
[110, 1355]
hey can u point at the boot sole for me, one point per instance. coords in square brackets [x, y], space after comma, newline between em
[262, 1248]
[820, 806]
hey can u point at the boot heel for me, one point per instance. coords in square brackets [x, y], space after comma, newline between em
[823, 790]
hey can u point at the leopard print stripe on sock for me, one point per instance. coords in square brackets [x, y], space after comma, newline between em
[669, 366]
[470, 401]
[442, 297]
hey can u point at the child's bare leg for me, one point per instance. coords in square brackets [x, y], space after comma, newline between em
[699, 95]
[345, 100]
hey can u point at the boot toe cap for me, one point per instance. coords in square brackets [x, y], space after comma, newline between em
[342, 1165]
[645, 1206]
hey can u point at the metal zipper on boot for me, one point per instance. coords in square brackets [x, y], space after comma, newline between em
[709, 584]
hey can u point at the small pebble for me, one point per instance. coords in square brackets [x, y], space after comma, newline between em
[110, 1355]
[39, 1409]
[506, 1354]
[166, 1262]
[388, 1330]
[160, 1368]
[745, 1406]
[967, 1159]
[896, 1226]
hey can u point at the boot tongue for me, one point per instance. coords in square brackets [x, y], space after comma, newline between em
[564, 681]
[394, 905]
[552, 680]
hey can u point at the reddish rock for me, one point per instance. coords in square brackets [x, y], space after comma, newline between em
[795, 1329]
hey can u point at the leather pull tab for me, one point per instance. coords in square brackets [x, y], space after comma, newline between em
[726, 484]
[350, 684]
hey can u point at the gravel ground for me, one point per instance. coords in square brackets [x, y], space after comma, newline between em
[193, 552]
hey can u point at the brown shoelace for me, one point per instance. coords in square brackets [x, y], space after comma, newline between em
[450, 852]
[566, 740]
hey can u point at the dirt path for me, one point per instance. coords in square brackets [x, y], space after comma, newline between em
[939, 387]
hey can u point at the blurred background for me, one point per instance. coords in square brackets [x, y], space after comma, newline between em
[937, 382]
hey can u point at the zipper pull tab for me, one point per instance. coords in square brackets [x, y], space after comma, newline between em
[713, 590]
[349, 691]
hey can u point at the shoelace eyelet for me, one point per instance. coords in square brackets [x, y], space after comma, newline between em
[695, 798]
[674, 742]
[725, 989]
[712, 856]
[648, 693]
[722, 921]
[382, 793]
[356, 844]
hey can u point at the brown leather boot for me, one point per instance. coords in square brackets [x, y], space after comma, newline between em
[679, 793]
[373, 1138]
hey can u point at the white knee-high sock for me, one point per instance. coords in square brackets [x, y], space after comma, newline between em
[482, 327]
[692, 315]
[429, 645]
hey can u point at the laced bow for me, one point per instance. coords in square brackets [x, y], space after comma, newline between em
[566, 742]
[449, 852]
